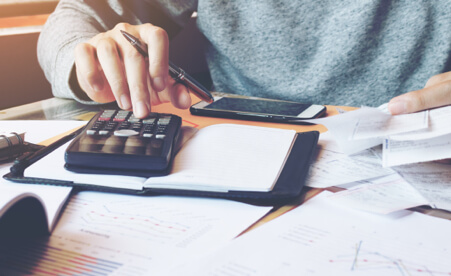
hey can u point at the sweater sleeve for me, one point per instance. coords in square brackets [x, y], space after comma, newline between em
[76, 21]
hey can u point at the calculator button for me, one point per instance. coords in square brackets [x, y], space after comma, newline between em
[90, 132]
[126, 132]
[104, 132]
[121, 116]
[98, 124]
[124, 125]
[133, 119]
[149, 121]
[137, 126]
[123, 113]
[147, 135]
[164, 121]
[161, 130]
[160, 136]
[106, 115]
[110, 126]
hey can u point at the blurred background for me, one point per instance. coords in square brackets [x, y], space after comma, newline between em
[21, 78]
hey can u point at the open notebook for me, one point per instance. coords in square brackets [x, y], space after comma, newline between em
[225, 160]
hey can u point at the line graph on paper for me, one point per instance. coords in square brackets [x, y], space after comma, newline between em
[139, 219]
[368, 260]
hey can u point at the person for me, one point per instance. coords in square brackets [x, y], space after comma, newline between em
[326, 52]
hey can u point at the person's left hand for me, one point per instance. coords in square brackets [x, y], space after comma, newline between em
[437, 92]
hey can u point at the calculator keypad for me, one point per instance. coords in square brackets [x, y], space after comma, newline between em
[120, 132]
[116, 142]
[124, 123]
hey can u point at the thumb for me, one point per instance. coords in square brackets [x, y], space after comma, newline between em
[426, 98]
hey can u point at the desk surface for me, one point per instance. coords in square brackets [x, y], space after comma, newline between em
[63, 109]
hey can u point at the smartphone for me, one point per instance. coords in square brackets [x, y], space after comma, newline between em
[258, 109]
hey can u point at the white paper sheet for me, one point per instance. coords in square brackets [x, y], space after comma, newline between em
[37, 131]
[426, 132]
[432, 180]
[342, 126]
[397, 152]
[142, 235]
[52, 197]
[384, 125]
[321, 238]
[333, 167]
[382, 195]
[229, 157]
[439, 124]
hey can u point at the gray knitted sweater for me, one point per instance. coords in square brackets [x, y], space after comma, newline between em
[348, 52]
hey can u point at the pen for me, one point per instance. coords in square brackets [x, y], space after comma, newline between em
[22, 163]
[176, 72]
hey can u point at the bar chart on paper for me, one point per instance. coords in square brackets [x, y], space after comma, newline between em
[39, 258]
[114, 234]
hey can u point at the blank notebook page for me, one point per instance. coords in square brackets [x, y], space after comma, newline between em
[229, 157]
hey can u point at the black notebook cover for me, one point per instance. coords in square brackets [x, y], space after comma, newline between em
[288, 186]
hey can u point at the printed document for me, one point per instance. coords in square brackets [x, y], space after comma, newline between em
[322, 238]
[332, 167]
[52, 197]
[408, 138]
[116, 234]
[381, 195]
[432, 180]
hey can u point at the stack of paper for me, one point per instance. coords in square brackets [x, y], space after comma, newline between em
[406, 139]
[369, 186]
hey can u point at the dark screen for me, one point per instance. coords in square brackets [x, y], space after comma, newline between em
[259, 106]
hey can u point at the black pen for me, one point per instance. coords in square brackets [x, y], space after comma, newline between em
[176, 72]
[21, 164]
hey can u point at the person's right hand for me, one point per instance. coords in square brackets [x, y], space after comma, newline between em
[109, 68]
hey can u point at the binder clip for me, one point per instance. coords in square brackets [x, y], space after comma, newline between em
[13, 151]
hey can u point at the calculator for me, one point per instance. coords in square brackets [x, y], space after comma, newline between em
[116, 142]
